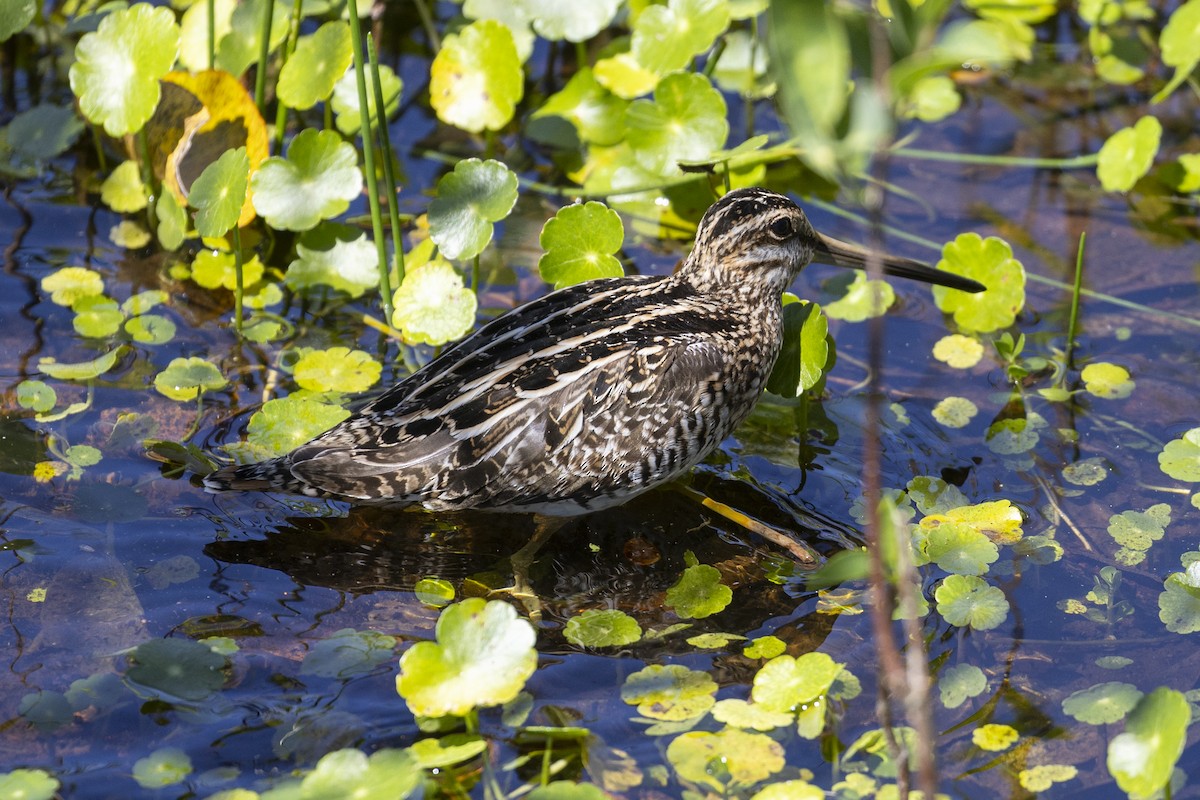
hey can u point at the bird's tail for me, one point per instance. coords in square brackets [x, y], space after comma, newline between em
[273, 474]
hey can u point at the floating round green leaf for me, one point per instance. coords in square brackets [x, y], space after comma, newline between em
[150, 329]
[994, 738]
[750, 716]
[864, 299]
[608, 627]
[69, 284]
[958, 351]
[670, 692]
[1042, 777]
[580, 242]
[184, 378]
[129, 235]
[28, 784]
[1180, 458]
[1179, 602]
[685, 122]
[1128, 154]
[967, 600]
[81, 371]
[785, 684]
[597, 114]
[1108, 381]
[469, 199]
[118, 66]
[36, 396]
[961, 682]
[1103, 703]
[432, 306]
[97, 316]
[954, 412]
[476, 78]
[699, 593]
[989, 261]
[337, 256]
[727, 760]
[347, 653]
[483, 655]
[285, 423]
[317, 181]
[320, 59]
[177, 668]
[338, 369]
[166, 766]
[387, 774]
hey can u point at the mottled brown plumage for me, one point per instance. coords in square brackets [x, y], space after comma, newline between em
[587, 396]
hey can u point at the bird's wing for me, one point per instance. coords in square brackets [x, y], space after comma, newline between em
[573, 421]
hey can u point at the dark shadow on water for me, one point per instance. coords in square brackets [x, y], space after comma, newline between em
[624, 558]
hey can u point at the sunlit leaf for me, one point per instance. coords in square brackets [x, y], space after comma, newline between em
[1128, 154]
[1013, 436]
[685, 122]
[670, 692]
[432, 306]
[954, 412]
[97, 316]
[69, 284]
[725, 760]
[1138, 530]
[1103, 703]
[434, 592]
[117, 67]
[317, 181]
[172, 221]
[337, 256]
[345, 99]
[1177, 43]
[239, 48]
[622, 75]
[743, 66]
[791, 790]
[219, 192]
[1109, 381]
[1043, 777]
[166, 766]
[1085, 472]
[483, 655]
[864, 299]
[129, 235]
[177, 668]
[217, 269]
[958, 351]
[967, 600]
[283, 424]
[447, 751]
[476, 78]
[932, 98]
[596, 113]
[1027, 11]
[184, 378]
[193, 32]
[699, 593]
[713, 640]
[36, 395]
[1179, 602]
[666, 37]
[574, 22]
[765, 647]
[348, 652]
[1180, 458]
[994, 737]
[989, 261]
[961, 682]
[338, 369]
[808, 352]
[1142, 758]
[750, 716]
[386, 774]
[934, 496]
[80, 371]
[150, 329]
[602, 628]
[469, 200]
[28, 784]
[320, 59]
[784, 684]
[580, 242]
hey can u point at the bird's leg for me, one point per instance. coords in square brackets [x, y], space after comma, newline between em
[522, 560]
[808, 557]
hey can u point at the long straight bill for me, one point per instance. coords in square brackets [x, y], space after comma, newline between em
[843, 254]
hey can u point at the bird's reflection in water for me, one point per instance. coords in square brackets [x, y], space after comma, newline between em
[624, 558]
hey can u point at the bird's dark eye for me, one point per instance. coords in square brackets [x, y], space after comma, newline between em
[782, 228]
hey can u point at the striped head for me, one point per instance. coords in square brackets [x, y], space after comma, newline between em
[753, 240]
